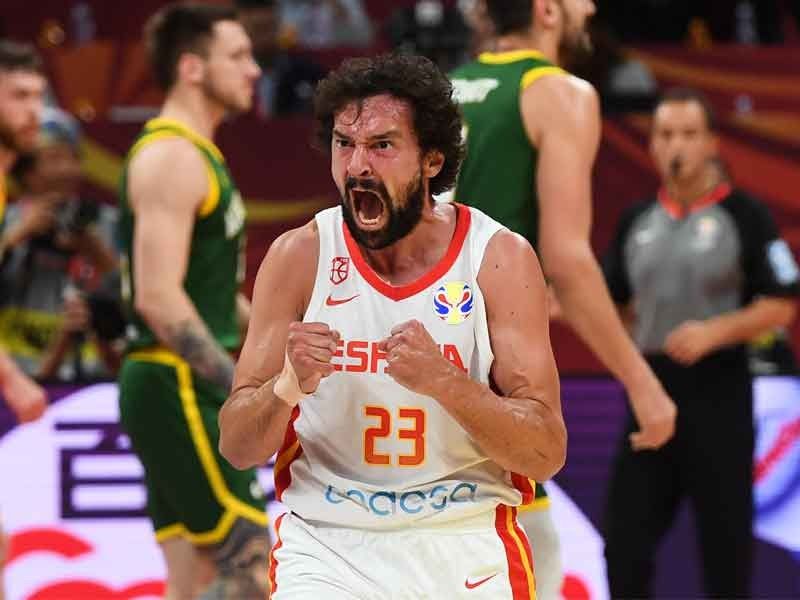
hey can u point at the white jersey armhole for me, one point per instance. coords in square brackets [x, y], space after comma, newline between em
[482, 231]
[327, 221]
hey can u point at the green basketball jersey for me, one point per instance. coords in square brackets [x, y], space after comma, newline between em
[499, 173]
[215, 268]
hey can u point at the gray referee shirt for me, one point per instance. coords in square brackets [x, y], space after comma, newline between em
[678, 265]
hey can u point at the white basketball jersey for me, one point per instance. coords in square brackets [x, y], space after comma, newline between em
[364, 451]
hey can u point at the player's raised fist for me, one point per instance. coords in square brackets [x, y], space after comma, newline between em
[413, 358]
[309, 350]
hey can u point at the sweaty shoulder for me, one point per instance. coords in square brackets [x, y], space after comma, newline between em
[558, 100]
[290, 266]
[507, 254]
[301, 239]
[168, 169]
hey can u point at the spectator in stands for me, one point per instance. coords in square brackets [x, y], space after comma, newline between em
[432, 29]
[327, 23]
[737, 21]
[624, 82]
[59, 249]
[481, 27]
[287, 78]
[702, 270]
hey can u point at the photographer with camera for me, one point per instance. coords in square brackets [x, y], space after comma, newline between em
[59, 250]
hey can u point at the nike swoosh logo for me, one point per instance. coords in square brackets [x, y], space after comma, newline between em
[331, 301]
[470, 585]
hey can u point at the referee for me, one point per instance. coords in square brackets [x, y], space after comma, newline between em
[698, 271]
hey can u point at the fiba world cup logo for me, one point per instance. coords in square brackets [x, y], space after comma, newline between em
[453, 302]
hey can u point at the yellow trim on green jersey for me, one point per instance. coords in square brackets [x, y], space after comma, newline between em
[538, 72]
[503, 58]
[212, 197]
[163, 122]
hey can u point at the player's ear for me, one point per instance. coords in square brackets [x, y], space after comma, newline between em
[546, 13]
[432, 164]
[191, 68]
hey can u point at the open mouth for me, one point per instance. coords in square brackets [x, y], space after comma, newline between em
[369, 208]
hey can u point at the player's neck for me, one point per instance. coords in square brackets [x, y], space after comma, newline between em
[689, 191]
[410, 258]
[7, 157]
[194, 111]
[529, 40]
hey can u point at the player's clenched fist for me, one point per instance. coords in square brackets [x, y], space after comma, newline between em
[309, 350]
[413, 358]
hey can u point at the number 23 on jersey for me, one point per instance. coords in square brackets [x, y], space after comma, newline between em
[408, 425]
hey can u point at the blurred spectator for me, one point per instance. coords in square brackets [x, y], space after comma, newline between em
[327, 23]
[480, 25]
[624, 83]
[728, 21]
[287, 79]
[743, 21]
[702, 269]
[432, 29]
[647, 20]
[59, 251]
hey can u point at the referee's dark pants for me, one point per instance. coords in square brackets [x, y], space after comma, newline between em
[709, 462]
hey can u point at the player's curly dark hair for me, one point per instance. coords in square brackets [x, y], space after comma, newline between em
[437, 119]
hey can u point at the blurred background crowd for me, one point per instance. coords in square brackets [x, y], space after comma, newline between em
[58, 308]
[61, 317]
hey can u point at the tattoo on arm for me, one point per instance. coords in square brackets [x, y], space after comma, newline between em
[192, 341]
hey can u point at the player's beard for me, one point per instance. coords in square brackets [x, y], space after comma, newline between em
[14, 141]
[401, 219]
[575, 45]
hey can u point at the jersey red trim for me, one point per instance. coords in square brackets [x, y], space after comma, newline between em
[678, 211]
[524, 486]
[289, 452]
[401, 292]
[518, 553]
[273, 562]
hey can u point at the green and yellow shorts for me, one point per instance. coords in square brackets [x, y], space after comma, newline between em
[171, 419]
[540, 500]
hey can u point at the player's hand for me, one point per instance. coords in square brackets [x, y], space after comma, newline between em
[26, 399]
[310, 348]
[76, 314]
[413, 358]
[655, 413]
[689, 342]
[37, 218]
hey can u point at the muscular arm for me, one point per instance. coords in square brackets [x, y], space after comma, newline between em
[527, 404]
[253, 419]
[242, 313]
[167, 183]
[561, 116]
